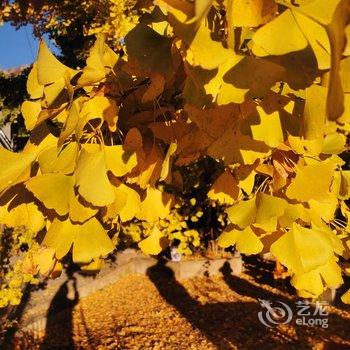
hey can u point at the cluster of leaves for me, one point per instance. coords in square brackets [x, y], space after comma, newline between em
[173, 229]
[116, 18]
[196, 220]
[18, 243]
[62, 20]
[72, 24]
[206, 79]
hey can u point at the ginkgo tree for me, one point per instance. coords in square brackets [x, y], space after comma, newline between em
[260, 86]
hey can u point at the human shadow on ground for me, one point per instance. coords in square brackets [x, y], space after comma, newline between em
[235, 324]
[59, 326]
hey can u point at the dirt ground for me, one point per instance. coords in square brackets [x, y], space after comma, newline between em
[158, 312]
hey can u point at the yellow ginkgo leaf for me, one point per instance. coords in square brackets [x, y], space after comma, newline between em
[30, 111]
[225, 189]
[334, 143]
[118, 206]
[291, 213]
[36, 219]
[267, 39]
[317, 176]
[53, 190]
[14, 217]
[154, 243]
[344, 188]
[202, 47]
[49, 68]
[91, 242]
[34, 89]
[119, 161]
[40, 139]
[24, 214]
[100, 61]
[315, 112]
[309, 283]
[95, 266]
[246, 241]
[269, 210]
[302, 249]
[317, 38]
[317, 280]
[60, 237]
[243, 213]
[245, 76]
[252, 13]
[132, 204]
[345, 298]
[333, 15]
[155, 206]
[148, 169]
[17, 216]
[100, 107]
[13, 166]
[166, 166]
[228, 237]
[91, 179]
[67, 158]
[63, 161]
[246, 181]
[71, 122]
[269, 129]
[47, 160]
[78, 212]
[56, 94]
[262, 211]
[322, 210]
[44, 260]
[201, 8]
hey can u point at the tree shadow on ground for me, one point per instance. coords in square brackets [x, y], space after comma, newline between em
[229, 325]
[59, 323]
[261, 270]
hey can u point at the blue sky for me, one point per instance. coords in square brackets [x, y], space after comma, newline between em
[18, 47]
